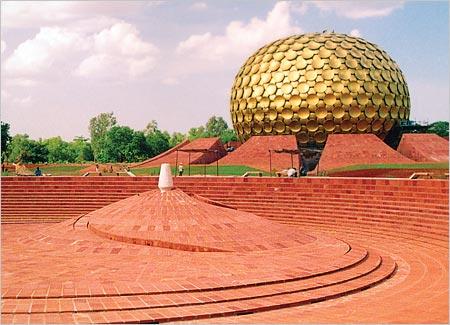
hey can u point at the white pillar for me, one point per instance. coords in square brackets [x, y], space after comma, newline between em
[165, 182]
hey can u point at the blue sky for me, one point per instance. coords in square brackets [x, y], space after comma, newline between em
[174, 61]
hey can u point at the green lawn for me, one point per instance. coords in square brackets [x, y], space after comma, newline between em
[437, 165]
[199, 170]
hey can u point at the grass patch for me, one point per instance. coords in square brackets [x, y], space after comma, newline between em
[199, 170]
[437, 165]
[62, 170]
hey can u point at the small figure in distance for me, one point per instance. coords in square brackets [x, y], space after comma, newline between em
[292, 172]
[37, 172]
[96, 168]
[180, 170]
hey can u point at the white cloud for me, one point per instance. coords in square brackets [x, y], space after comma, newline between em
[358, 9]
[355, 33]
[56, 51]
[199, 6]
[17, 14]
[118, 50]
[170, 81]
[240, 38]
[22, 101]
[52, 45]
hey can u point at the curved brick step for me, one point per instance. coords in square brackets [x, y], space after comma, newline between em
[242, 301]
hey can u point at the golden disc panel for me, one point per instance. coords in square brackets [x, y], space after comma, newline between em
[337, 86]
[346, 99]
[267, 127]
[272, 114]
[321, 112]
[338, 112]
[329, 99]
[315, 84]
[320, 87]
[302, 137]
[287, 113]
[303, 87]
[328, 74]
[354, 111]
[279, 126]
[259, 115]
[257, 127]
[394, 112]
[383, 111]
[320, 137]
[362, 125]
[362, 99]
[376, 125]
[346, 125]
[388, 124]
[303, 113]
[370, 111]
[312, 125]
[329, 125]
[312, 99]
[295, 126]
[286, 88]
[353, 86]
[279, 101]
[295, 100]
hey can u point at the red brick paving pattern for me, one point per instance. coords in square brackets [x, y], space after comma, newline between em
[424, 147]
[96, 267]
[355, 149]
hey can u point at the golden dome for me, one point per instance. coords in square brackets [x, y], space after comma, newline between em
[314, 84]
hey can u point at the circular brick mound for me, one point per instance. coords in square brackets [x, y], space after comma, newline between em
[174, 257]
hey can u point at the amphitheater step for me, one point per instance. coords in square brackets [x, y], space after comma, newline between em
[165, 307]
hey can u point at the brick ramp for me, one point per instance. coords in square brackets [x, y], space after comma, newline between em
[358, 149]
[255, 153]
[170, 156]
[424, 147]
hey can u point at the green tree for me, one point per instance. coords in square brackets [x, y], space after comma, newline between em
[6, 139]
[228, 135]
[98, 127]
[158, 142]
[215, 126]
[439, 128]
[176, 138]
[59, 150]
[123, 144]
[82, 149]
[25, 150]
[195, 133]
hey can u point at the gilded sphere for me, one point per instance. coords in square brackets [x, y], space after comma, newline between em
[314, 84]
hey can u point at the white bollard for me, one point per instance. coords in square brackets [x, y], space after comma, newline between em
[165, 182]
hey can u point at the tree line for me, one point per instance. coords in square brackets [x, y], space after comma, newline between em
[108, 142]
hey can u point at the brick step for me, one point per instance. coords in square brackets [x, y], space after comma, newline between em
[167, 299]
[440, 233]
[421, 223]
[287, 200]
[326, 196]
[246, 204]
[343, 211]
[210, 309]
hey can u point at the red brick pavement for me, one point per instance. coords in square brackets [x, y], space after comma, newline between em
[378, 254]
